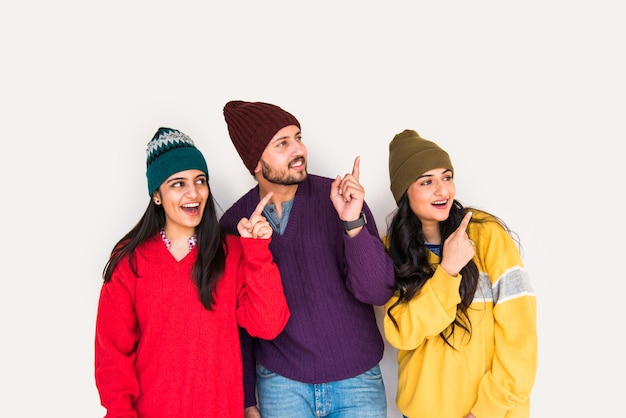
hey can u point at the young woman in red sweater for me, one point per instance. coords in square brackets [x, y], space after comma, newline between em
[176, 289]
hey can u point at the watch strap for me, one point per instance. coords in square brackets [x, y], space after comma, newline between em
[348, 225]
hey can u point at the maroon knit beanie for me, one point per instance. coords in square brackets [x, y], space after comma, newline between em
[251, 126]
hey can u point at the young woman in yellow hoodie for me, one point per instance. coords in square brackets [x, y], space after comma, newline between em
[463, 315]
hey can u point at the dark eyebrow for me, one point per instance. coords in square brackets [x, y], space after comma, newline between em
[175, 179]
[430, 175]
[280, 138]
[184, 178]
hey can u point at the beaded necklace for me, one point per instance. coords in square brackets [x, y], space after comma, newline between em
[192, 240]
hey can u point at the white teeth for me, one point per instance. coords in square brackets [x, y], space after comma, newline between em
[440, 202]
[191, 205]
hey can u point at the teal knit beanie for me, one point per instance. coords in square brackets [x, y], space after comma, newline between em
[170, 151]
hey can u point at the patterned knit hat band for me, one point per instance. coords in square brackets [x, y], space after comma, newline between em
[168, 152]
[251, 126]
[410, 156]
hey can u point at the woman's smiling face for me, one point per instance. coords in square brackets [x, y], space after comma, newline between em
[184, 196]
[431, 195]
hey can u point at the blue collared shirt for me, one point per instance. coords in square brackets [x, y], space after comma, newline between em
[278, 224]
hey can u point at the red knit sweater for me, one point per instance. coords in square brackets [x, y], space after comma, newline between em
[160, 353]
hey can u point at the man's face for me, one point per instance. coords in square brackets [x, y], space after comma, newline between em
[284, 159]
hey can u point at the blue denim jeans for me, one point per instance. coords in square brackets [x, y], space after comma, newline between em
[362, 396]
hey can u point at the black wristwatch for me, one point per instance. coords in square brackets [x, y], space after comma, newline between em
[355, 224]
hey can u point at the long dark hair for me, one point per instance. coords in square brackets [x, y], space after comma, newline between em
[406, 246]
[211, 245]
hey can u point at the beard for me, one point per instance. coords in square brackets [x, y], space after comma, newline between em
[283, 177]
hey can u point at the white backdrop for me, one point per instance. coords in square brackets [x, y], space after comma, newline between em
[528, 98]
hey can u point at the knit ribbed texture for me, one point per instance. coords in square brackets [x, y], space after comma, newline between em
[329, 280]
[251, 126]
[188, 362]
[410, 156]
[168, 152]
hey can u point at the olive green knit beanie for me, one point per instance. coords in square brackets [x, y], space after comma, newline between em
[410, 156]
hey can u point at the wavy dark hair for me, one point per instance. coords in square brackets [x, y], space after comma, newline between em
[211, 244]
[406, 246]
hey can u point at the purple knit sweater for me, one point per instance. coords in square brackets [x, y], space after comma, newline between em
[331, 282]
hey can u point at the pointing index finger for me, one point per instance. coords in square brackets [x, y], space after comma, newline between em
[259, 208]
[465, 221]
[356, 168]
